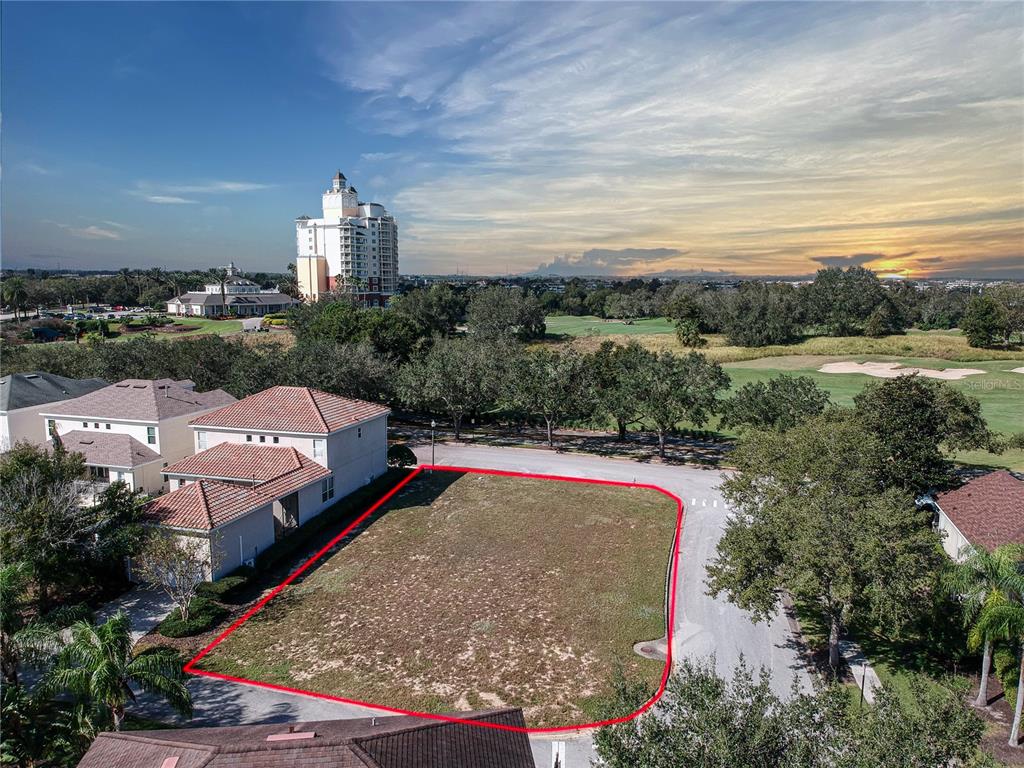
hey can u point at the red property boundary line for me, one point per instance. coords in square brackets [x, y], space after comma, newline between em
[190, 667]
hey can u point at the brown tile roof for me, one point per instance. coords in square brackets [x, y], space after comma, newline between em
[384, 742]
[141, 400]
[988, 510]
[204, 505]
[292, 409]
[277, 469]
[108, 449]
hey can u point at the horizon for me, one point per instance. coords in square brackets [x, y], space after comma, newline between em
[595, 140]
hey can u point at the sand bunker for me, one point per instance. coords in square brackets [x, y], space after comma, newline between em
[1017, 370]
[892, 370]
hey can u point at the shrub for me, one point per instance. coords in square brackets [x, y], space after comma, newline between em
[1007, 669]
[227, 588]
[203, 614]
[401, 455]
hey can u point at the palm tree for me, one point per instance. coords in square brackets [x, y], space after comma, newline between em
[220, 275]
[98, 664]
[1002, 618]
[19, 640]
[15, 293]
[973, 580]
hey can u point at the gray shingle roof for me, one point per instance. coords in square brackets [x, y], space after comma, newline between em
[141, 400]
[203, 299]
[23, 390]
[108, 449]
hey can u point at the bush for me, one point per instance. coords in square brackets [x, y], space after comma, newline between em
[203, 613]
[401, 455]
[1007, 668]
[227, 588]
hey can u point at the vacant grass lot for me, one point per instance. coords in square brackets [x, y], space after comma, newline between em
[473, 590]
[189, 326]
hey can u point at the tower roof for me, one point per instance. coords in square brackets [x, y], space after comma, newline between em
[339, 176]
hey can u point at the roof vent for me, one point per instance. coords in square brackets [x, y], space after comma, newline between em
[31, 375]
[292, 735]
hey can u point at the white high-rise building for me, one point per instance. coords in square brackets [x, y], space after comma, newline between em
[353, 248]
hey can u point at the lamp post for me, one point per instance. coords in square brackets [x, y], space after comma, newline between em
[433, 426]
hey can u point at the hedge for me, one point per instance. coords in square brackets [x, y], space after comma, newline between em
[401, 455]
[350, 506]
[228, 588]
[203, 614]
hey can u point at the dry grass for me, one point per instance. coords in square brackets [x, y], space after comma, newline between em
[474, 591]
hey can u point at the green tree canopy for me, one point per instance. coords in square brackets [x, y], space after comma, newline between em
[915, 420]
[811, 517]
[985, 322]
[780, 403]
[551, 385]
[498, 311]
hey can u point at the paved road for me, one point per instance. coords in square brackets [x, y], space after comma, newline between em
[704, 627]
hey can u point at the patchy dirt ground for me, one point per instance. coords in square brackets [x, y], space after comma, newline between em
[474, 591]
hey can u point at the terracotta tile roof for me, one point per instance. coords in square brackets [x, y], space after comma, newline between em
[988, 510]
[204, 505]
[383, 742]
[141, 400]
[214, 500]
[292, 409]
[108, 449]
[277, 469]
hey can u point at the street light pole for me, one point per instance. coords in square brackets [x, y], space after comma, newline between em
[433, 426]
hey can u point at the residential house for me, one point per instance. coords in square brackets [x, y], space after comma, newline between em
[985, 512]
[400, 741]
[130, 430]
[23, 396]
[267, 464]
[347, 436]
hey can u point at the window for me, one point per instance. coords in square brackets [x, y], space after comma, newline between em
[248, 438]
[327, 488]
[201, 440]
[263, 438]
[319, 449]
[277, 439]
[151, 435]
[51, 426]
[108, 426]
[359, 432]
[96, 425]
[85, 424]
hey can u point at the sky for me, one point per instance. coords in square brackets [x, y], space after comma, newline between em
[596, 138]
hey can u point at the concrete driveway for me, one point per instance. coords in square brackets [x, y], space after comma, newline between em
[704, 626]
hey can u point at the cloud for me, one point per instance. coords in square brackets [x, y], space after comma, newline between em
[741, 130]
[858, 259]
[94, 232]
[38, 169]
[606, 261]
[163, 199]
[377, 157]
[173, 194]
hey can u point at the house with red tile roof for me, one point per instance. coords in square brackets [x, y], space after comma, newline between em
[347, 436]
[400, 741]
[130, 430]
[267, 464]
[985, 512]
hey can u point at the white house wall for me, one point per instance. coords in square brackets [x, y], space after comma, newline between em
[242, 539]
[22, 426]
[953, 542]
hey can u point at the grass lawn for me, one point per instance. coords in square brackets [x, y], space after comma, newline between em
[588, 325]
[188, 326]
[472, 590]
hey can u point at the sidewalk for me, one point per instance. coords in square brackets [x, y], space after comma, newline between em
[863, 674]
[145, 607]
